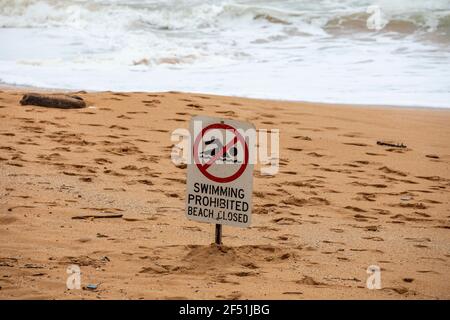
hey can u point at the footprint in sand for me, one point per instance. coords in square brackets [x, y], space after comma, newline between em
[366, 196]
[352, 135]
[356, 209]
[118, 127]
[357, 144]
[375, 154]
[124, 149]
[227, 113]
[7, 220]
[315, 154]
[363, 184]
[304, 138]
[285, 221]
[373, 238]
[300, 202]
[177, 120]
[392, 171]
[102, 161]
[363, 218]
[151, 102]
[309, 281]
[244, 273]
[122, 116]
[381, 211]
[235, 295]
[432, 156]
[397, 150]
[419, 240]
[399, 290]
[260, 210]
[84, 261]
[289, 172]
[137, 112]
[202, 97]
[195, 106]
[155, 269]
[120, 94]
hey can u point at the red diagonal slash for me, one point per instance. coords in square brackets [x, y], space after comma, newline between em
[203, 168]
[220, 153]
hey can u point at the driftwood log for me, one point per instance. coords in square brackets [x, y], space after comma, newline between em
[62, 101]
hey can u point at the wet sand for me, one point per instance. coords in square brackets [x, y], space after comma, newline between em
[339, 204]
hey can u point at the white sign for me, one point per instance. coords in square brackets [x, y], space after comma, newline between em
[220, 171]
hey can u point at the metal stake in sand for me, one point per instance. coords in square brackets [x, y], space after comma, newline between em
[218, 236]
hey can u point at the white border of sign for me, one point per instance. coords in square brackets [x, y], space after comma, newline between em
[225, 195]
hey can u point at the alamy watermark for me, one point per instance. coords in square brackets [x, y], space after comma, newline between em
[377, 19]
[74, 278]
[374, 279]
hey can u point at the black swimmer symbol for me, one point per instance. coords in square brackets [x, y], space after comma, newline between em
[228, 156]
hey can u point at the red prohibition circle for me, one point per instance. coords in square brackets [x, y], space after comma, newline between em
[203, 168]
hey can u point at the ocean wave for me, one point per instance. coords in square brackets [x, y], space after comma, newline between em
[409, 17]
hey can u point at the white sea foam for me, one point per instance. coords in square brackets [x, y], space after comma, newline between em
[397, 52]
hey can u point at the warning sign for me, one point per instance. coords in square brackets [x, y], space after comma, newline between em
[220, 173]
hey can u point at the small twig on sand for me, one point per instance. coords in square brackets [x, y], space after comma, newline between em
[395, 145]
[98, 216]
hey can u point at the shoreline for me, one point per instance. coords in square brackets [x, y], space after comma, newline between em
[7, 87]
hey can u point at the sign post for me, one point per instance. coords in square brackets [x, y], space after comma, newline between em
[220, 173]
[218, 234]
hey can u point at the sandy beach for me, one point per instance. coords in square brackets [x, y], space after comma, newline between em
[339, 203]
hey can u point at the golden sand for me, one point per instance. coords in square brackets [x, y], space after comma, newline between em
[339, 204]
